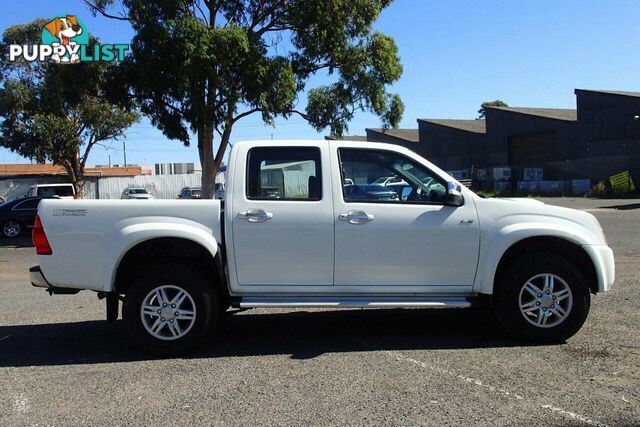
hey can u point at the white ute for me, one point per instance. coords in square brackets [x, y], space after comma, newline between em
[305, 225]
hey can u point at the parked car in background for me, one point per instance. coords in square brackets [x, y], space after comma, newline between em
[63, 191]
[18, 215]
[190, 193]
[137, 193]
[386, 180]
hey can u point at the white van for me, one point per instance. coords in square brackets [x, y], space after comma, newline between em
[63, 191]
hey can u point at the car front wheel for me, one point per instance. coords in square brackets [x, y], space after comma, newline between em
[170, 310]
[542, 298]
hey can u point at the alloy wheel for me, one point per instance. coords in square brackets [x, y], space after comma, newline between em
[545, 300]
[11, 229]
[168, 312]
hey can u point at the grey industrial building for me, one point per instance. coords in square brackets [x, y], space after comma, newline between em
[599, 138]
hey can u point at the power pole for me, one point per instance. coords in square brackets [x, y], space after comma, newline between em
[124, 148]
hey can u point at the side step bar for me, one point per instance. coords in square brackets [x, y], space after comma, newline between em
[352, 301]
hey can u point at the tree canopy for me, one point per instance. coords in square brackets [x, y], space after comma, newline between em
[201, 66]
[483, 107]
[53, 112]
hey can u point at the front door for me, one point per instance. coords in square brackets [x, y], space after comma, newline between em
[283, 223]
[393, 229]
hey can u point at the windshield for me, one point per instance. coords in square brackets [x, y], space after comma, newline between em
[138, 191]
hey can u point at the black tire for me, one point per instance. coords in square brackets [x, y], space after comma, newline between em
[506, 299]
[11, 224]
[200, 291]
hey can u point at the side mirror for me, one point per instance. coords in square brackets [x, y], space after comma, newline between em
[454, 195]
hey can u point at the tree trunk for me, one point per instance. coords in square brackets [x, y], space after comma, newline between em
[205, 132]
[205, 149]
[78, 186]
[75, 170]
[76, 179]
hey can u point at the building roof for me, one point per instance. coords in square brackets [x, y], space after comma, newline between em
[38, 169]
[475, 126]
[410, 135]
[549, 113]
[346, 138]
[611, 92]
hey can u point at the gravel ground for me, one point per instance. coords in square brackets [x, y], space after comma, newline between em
[61, 364]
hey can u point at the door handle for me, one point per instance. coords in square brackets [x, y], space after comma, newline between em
[255, 215]
[356, 217]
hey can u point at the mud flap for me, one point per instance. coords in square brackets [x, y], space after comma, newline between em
[113, 305]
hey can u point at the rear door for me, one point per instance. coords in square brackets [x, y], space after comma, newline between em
[282, 216]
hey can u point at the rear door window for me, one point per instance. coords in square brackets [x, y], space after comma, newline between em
[284, 173]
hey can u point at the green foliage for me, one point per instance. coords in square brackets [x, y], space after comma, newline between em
[54, 112]
[483, 107]
[201, 66]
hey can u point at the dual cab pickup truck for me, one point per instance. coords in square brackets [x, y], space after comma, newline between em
[292, 233]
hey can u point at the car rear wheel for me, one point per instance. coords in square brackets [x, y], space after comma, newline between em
[11, 229]
[542, 298]
[170, 310]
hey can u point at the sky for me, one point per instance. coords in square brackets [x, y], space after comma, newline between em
[456, 54]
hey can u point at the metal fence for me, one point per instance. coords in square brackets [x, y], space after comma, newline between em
[160, 186]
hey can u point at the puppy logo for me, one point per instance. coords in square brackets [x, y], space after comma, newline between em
[66, 31]
[65, 40]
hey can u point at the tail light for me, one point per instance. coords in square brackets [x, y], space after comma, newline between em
[40, 240]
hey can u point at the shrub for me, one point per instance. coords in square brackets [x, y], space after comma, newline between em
[598, 190]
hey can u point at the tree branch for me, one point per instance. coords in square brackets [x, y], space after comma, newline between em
[257, 19]
[256, 110]
[204, 17]
[95, 9]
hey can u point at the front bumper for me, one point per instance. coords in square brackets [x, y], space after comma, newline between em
[602, 257]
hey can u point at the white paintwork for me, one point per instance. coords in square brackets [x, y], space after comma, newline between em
[403, 244]
[90, 237]
[292, 248]
[304, 249]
